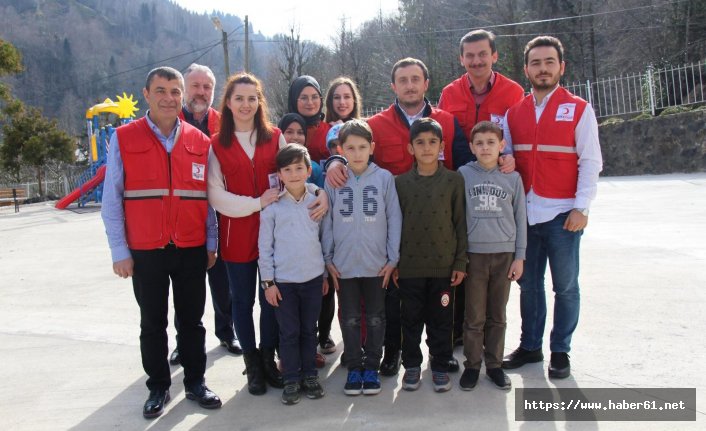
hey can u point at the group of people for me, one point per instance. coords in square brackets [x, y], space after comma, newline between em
[417, 216]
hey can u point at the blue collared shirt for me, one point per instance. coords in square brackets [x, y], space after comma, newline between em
[112, 210]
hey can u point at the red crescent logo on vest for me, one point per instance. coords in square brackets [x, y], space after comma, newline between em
[197, 171]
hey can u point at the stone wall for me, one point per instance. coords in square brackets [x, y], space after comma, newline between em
[660, 145]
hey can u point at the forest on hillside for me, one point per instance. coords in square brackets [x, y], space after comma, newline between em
[78, 52]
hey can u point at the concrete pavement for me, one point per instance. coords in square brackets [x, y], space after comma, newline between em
[69, 353]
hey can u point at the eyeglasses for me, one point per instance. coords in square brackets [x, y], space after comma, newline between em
[306, 99]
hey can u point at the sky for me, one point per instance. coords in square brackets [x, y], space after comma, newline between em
[318, 20]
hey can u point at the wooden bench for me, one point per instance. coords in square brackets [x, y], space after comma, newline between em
[12, 197]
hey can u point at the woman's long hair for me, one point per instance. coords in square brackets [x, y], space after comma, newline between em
[331, 115]
[263, 127]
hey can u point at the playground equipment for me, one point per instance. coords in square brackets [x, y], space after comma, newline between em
[89, 185]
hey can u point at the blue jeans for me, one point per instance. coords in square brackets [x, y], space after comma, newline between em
[242, 279]
[297, 314]
[550, 241]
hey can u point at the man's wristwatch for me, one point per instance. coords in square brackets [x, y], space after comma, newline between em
[583, 211]
[266, 284]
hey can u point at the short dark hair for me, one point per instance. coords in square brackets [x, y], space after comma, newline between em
[544, 41]
[406, 62]
[355, 127]
[292, 153]
[487, 127]
[425, 125]
[477, 36]
[166, 72]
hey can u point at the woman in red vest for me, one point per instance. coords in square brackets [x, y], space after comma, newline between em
[240, 185]
[305, 100]
[343, 101]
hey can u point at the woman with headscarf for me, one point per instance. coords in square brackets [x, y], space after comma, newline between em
[305, 99]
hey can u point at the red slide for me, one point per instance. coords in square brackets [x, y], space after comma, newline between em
[85, 187]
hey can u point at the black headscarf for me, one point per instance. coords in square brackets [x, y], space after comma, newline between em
[292, 118]
[295, 90]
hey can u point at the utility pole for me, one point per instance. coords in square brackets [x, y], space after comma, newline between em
[224, 41]
[247, 45]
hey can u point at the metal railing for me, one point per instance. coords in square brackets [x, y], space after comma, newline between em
[650, 91]
[653, 90]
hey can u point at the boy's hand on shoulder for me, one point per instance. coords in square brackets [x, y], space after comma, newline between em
[507, 163]
[516, 268]
[333, 271]
[386, 272]
[336, 175]
[273, 296]
[319, 207]
[457, 277]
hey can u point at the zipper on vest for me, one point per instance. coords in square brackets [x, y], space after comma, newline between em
[477, 111]
[170, 199]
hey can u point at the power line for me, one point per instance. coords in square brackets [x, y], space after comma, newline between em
[520, 23]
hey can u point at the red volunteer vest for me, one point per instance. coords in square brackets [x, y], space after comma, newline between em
[391, 137]
[316, 141]
[457, 99]
[165, 194]
[245, 177]
[545, 152]
[214, 120]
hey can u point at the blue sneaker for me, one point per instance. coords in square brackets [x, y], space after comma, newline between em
[441, 380]
[354, 383]
[371, 382]
[412, 379]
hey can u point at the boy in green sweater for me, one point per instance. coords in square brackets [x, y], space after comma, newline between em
[432, 254]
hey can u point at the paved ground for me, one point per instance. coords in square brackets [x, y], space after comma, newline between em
[69, 356]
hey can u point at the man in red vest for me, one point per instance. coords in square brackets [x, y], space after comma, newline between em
[159, 228]
[554, 136]
[409, 82]
[478, 95]
[200, 83]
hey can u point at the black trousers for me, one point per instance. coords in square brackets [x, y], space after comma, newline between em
[430, 302]
[393, 324]
[220, 297]
[186, 268]
[328, 310]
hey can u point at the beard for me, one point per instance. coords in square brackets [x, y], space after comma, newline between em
[545, 82]
[198, 106]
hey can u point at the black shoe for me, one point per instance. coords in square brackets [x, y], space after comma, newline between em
[255, 373]
[453, 365]
[559, 365]
[154, 406]
[273, 376]
[390, 364]
[469, 379]
[206, 398]
[291, 393]
[498, 377]
[327, 346]
[233, 346]
[521, 357]
[174, 358]
[312, 388]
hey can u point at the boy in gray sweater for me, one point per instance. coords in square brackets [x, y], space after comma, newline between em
[361, 242]
[497, 240]
[291, 267]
